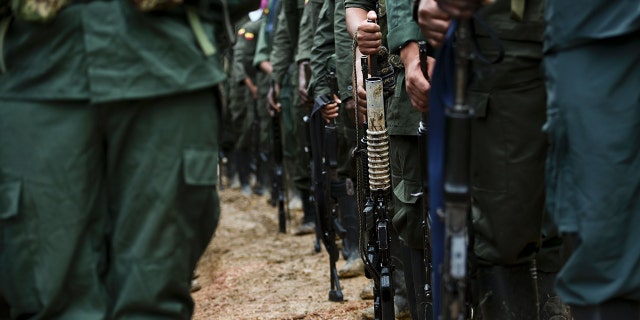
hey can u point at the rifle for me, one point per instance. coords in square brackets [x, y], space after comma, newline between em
[377, 225]
[449, 142]
[256, 156]
[308, 149]
[277, 182]
[423, 130]
[324, 172]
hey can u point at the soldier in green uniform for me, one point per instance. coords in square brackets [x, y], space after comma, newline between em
[402, 124]
[262, 63]
[327, 47]
[242, 105]
[593, 175]
[294, 106]
[108, 150]
[243, 96]
[508, 149]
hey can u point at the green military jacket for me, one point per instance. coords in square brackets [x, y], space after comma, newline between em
[323, 48]
[88, 46]
[308, 23]
[244, 51]
[344, 52]
[285, 40]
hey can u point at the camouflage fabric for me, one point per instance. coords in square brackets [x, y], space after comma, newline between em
[35, 10]
[152, 5]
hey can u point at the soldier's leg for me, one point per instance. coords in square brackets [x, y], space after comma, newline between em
[162, 156]
[348, 202]
[264, 144]
[508, 151]
[52, 213]
[593, 170]
[237, 166]
[301, 171]
[244, 139]
[408, 218]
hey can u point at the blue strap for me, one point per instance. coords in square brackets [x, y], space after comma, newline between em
[440, 97]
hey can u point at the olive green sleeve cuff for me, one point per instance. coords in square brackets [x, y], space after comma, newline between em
[361, 4]
[403, 33]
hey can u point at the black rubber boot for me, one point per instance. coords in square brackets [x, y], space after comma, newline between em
[308, 224]
[262, 175]
[244, 168]
[350, 221]
[349, 218]
[308, 209]
[507, 293]
[551, 307]
[231, 167]
[613, 309]
[400, 290]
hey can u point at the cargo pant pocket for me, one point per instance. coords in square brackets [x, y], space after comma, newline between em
[408, 217]
[199, 198]
[17, 253]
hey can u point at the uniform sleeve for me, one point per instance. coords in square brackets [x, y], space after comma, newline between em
[263, 47]
[282, 54]
[344, 52]
[307, 25]
[323, 48]
[402, 28]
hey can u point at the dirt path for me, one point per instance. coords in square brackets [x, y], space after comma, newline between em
[250, 271]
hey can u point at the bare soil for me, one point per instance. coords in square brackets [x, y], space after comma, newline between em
[250, 271]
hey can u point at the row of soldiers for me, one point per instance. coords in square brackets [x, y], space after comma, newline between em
[280, 65]
[283, 66]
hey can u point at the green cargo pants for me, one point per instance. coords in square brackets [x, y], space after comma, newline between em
[106, 208]
[508, 150]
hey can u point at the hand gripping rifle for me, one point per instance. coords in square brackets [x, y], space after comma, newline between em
[324, 172]
[377, 225]
[277, 181]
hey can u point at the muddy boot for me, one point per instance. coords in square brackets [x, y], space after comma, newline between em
[348, 207]
[507, 292]
[262, 175]
[551, 307]
[400, 296]
[232, 170]
[612, 309]
[367, 292]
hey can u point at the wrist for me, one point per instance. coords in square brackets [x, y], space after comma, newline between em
[409, 52]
